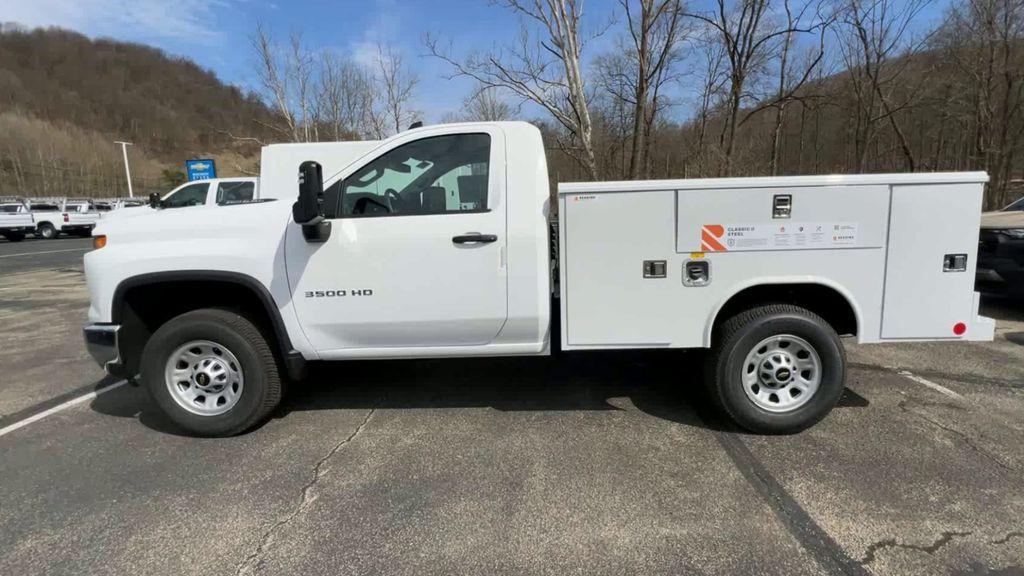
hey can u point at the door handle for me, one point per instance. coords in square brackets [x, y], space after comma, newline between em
[474, 238]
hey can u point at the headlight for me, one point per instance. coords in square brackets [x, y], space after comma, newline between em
[1011, 232]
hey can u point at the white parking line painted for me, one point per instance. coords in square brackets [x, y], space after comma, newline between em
[37, 417]
[937, 387]
[45, 252]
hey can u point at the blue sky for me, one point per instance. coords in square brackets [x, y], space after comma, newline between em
[215, 33]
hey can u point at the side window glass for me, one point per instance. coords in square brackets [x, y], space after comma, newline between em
[194, 195]
[437, 175]
[230, 192]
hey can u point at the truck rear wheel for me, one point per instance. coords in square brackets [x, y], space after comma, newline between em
[776, 369]
[212, 372]
[46, 231]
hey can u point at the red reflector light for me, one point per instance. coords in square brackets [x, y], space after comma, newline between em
[959, 328]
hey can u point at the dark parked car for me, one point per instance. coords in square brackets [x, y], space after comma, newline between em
[1001, 252]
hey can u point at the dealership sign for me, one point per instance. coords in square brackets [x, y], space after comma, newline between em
[200, 169]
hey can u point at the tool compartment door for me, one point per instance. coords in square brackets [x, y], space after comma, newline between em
[608, 302]
[927, 222]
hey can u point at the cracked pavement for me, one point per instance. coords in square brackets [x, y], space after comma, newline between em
[588, 464]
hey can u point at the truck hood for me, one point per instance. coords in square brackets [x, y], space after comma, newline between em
[236, 222]
[127, 212]
[1008, 219]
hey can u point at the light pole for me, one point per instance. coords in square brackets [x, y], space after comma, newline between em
[127, 172]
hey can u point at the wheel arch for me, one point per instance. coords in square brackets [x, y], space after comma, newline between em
[194, 289]
[828, 299]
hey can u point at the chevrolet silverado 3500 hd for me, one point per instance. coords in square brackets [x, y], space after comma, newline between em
[435, 243]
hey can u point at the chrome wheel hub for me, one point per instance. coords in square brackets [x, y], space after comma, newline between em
[204, 378]
[781, 373]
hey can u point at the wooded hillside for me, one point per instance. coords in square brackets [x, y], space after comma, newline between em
[65, 98]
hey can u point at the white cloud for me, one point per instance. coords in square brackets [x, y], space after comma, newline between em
[141, 19]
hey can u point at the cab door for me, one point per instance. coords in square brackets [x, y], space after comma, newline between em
[416, 253]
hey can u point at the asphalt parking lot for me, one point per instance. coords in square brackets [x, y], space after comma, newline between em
[587, 464]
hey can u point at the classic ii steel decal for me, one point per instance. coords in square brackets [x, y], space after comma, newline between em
[787, 236]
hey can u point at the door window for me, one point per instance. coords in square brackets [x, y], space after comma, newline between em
[231, 192]
[437, 175]
[193, 195]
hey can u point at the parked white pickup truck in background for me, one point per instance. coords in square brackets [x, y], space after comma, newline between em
[435, 243]
[16, 221]
[79, 217]
[212, 192]
[54, 216]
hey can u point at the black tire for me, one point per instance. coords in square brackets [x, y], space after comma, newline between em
[46, 231]
[262, 388]
[737, 336]
[14, 236]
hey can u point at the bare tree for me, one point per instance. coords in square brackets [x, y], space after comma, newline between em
[486, 104]
[287, 81]
[275, 83]
[346, 95]
[543, 67]
[983, 39]
[713, 81]
[396, 85]
[750, 37]
[300, 76]
[655, 32]
[876, 50]
[792, 75]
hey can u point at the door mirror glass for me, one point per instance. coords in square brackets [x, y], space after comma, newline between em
[309, 208]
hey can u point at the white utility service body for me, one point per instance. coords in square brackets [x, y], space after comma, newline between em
[436, 243]
[878, 240]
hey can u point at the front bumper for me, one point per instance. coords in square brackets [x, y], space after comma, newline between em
[101, 342]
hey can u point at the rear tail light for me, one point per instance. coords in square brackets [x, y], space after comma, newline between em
[66, 219]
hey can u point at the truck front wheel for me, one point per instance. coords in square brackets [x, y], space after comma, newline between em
[776, 369]
[212, 372]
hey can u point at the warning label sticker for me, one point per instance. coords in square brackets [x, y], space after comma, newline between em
[783, 236]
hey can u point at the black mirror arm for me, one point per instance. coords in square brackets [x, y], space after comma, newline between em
[312, 222]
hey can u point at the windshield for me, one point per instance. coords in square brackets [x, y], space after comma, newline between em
[193, 195]
[1016, 206]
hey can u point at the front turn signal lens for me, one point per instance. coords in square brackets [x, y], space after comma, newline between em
[99, 242]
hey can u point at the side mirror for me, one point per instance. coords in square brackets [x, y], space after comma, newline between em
[308, 210]
[154, 200]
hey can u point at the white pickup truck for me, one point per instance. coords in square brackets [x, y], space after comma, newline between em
[55, 216]
[15, 220]
[436, 243]
[212, 192]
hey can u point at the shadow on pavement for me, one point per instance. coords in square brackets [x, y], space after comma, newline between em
[662, 383]
[1000, 308]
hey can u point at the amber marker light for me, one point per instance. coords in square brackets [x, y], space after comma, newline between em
[99, 242]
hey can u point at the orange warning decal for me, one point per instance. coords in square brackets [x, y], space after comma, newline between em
[711, 238]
